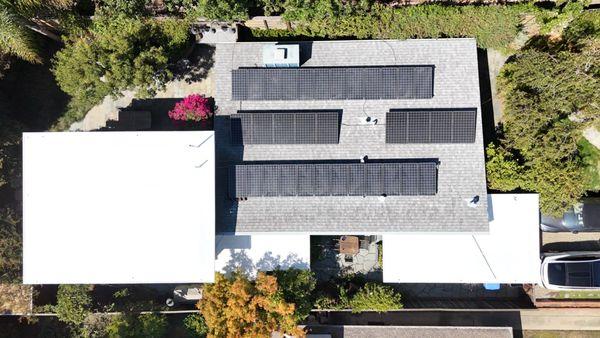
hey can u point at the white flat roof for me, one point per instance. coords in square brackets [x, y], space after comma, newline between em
[118, 207]
[262, 252]
[509, 253]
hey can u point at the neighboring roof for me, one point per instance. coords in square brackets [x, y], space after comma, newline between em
[118, 207]
[461, 171]
[250, 254]
[509, 253]
[358, 331]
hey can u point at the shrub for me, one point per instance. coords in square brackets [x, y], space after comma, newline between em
[73, 304]
[145, 325]
[118, 7]
[324, 302]
[192, 108]
[196, 325]
[375, 297]
[492, 26]
[225, 10]
[11, 243]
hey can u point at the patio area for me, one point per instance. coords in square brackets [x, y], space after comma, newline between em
[335, 256]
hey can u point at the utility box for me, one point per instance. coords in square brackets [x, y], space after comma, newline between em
[281, 56]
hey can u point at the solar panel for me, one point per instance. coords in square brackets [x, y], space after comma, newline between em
[284, 127]
[333, 83]
[430, 126]
[339, 179]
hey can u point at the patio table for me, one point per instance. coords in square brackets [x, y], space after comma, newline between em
[349, 245]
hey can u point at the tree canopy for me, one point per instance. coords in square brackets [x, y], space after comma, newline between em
[551, 91]
[238, 307]
[118, 53]
[19, 25]
[297, 287]
[144, 325]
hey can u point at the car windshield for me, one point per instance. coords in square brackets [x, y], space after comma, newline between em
[579, 274]
[556, 274]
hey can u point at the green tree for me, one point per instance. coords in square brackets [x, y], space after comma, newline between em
[143, 325]
[297, 287]
[551, 92]
[18, 25]
[503, 172]
[118, 53]
[73, 304]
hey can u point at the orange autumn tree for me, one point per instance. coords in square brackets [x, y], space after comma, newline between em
[238, 307]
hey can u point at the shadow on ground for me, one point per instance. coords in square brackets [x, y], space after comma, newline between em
[30, 94]
[572, 246]
[196, 66]
[485, 93]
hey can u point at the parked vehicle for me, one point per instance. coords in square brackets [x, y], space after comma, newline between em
[582, 217]
[187, 293]
[571, 271]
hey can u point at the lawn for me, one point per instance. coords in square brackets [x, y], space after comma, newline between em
[591, 156]
[576, 295]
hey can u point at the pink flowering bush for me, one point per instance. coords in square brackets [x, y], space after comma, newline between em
[192, 108]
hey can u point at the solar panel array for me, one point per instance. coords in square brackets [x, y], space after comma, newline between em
[348, 179]
[333, 83]
[302, 127]
[431, 126]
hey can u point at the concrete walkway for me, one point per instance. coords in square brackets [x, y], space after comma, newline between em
[519, 320]
[561, 319]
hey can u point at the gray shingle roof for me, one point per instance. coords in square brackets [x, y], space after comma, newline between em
[357, 331]
[461, 173]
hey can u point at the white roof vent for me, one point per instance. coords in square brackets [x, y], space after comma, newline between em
[281, 56]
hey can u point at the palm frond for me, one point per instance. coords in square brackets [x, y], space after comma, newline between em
[16, 38]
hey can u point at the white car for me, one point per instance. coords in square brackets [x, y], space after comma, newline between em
[571, 271]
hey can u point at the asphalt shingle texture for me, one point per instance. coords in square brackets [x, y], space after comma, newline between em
[461, 171]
